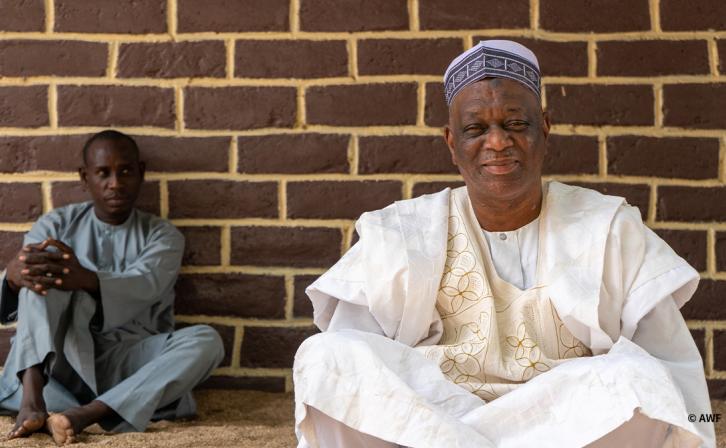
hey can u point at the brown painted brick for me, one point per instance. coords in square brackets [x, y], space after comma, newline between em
[598, 16]
[571, 154]
[260, 383]
[600, 105]
[272, 347]
[353, 15]
[677, 203]
[721, 251]
[45, 152]
[291, 59]
[460, 14]
[682, 157]
[20, 202]
[293, 153]
[362, 105]
[240, 107]
[52, 58]
[285, 246]
[695, 105]
[222, 199]
[436, 112]
[717, 389]
[555, 58]
[421, 188]
[302, 306]
[10, 244]
[719, 349]
[222, 16]
[172, 60]
[64, 193]
[722, 56]
[652, 58]
[708, 301]
[5, 335]
[22, 15]
[202, 245]
[175, 154]
[405, 154]
[110, 16]
[116, 106]
[406, 56]
[699, 337]
[225, 332]
[682, 15]
[234, 295]
[689, 244]
[637, 195]
[25, 107]
[343, 200]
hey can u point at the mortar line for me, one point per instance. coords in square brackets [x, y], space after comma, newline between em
[722, 160]
[113, 55]
[354, 154]
[421, 103]
[289, 296]
[45, 190]
[348, 237]
[708, 346]
[713, 57]
[225, 245]
[414, 23]
[164, 198]
[282, 200]
[408, 189]
[179, 100]
[352, 45]
[171, 18]
[233, 157]
[591, 59]
[242, 372]
[237, 345]
[655, 15]
[602, 156]
[652, 204]
[229, 52]
[711, 252]
[468, 42]
[53, 106]
[301, 116]
[289, 385]
[49, 16]
[534, 14]
[232, 321]
[658, 104]
[294, 17]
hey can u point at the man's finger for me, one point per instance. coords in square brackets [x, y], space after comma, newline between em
[42, 257]
[59, 244]
[41, 282]
[43, 269]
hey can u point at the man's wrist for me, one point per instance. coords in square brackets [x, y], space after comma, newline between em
[91, 283]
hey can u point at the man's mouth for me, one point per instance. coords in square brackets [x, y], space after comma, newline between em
[117, 200]
[500, 166]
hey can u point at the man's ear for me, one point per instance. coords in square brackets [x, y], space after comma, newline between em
[449, 137]
[83, 175]
[546, 124]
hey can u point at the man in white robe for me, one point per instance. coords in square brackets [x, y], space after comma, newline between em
[507, 313]
[93, 293]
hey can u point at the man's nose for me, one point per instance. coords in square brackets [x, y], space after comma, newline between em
[498, 139]
[113, 181]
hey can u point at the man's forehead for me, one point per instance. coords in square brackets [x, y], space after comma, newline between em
[106, 148]
[482, 94]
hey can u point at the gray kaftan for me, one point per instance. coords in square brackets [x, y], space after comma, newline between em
[121, 349]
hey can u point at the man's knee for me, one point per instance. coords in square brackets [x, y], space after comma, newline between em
[206, 342]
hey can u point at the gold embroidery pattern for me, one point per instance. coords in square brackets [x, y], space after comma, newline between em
[527, 353]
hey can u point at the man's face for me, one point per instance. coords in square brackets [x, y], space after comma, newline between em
[113, 175]
[497, 134]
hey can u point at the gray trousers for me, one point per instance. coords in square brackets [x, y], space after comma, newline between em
[140, 377]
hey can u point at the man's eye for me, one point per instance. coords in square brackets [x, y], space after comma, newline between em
[125, 171]
[517, 125]
[473, 130]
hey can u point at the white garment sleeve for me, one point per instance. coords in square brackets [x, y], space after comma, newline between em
[663, 333]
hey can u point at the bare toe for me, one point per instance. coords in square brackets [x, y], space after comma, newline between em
[61, 429]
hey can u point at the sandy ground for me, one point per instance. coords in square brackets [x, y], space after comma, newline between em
[226, 419]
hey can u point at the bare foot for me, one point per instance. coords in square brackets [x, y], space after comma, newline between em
[32, 414]
[61, 429]
[29, 420]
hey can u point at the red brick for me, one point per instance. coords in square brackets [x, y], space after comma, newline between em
[25, 107]
[22, 15]
[175, 154]
[717, 389]
[261, 383]
[609, 105]
[708, 301]
[240, 107]
[202, 245]
[362, 105]
[5, 335]
[353, 15]
[10, 245]
[291, 59]
[45, 152]
[231, 295]
[228, 16]
[555, 58]
[172, 60]
[272, 347]
[682, 157]
[293, 153]
[689, 244]
[116, 106]
[222, 199]
[110, 16]
[64, 193]
[302, 306]
[637, 195]
[405, 154]
[699, 337]
[421, 188]
[225, 332]
[677, 203]
[694, 105]
[341, 200]
[600, 16]
[682, 15]
[407, 56]
[571, 154]
[52, 58]
[460, 14]
[719, 349]
[20, 202]
[652, 58]
[436, 112]
[721, 251]
[285, 246]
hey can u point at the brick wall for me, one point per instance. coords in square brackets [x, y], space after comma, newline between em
[270, 125]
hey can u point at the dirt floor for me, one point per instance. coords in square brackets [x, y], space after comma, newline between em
[226, 419]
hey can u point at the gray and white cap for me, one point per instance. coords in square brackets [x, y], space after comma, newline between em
[492, 59]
